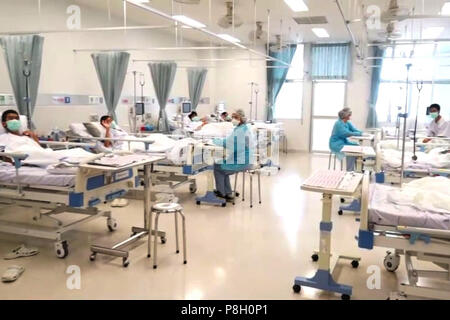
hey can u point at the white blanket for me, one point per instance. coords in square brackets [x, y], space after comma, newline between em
[433, 159]
[427, 194]
[216, 130]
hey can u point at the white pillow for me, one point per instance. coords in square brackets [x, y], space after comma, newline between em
[23, 126]
[80, 130]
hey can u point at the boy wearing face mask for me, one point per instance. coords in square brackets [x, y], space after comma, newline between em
[438, 127]
[11, 123]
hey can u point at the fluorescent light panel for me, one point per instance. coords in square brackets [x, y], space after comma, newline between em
[297, 5]
[189, 22]
[446, 9]
[227, 37]
[321, 32]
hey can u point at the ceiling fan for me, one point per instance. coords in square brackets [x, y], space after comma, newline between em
[227, 21]
[397, 13]
[391, 33]
[258, 34]
[278, 45]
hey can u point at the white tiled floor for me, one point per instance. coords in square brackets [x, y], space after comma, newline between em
[233, 252]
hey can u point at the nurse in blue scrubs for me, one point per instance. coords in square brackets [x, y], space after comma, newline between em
[343, 129]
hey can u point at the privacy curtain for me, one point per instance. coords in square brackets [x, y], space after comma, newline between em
[17, 50]
[163, 75]
[196, 80]
[372, 119]
[330, 61]
[111, 71]
[276, 76]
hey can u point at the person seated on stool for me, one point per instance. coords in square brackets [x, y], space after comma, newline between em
[438, 127]
[343, 129]
[239, 146]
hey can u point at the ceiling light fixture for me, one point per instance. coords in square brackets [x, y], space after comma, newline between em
[321, 32]
[297, 5]
[189, 22]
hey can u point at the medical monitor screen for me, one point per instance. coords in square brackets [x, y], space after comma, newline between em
[186, 107]
[140, 109]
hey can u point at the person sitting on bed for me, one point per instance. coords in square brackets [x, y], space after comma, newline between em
[11, 123]
[438, 127]
[112, 131]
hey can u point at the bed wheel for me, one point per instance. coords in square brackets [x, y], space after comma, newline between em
[342, 200]
[224, 205]
[163, 240]
[61, 249]
[391, 262]
[112, 224]
[125, 262]
[198, 203]
[355, 264]
[92, 257]
[296, 288]
[340, 212]
[315, 257]
[345, 297]
[193, 188]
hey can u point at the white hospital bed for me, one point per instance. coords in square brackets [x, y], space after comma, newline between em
[411, 233]
[49, 195]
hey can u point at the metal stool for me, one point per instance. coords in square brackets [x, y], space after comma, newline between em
[251, 172]
[329, 161]
[167, 208]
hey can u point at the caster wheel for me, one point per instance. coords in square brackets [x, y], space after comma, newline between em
[177, 252]
[198, 203]
[192, 188]
[154, 267]
[184, 262]
[342, 200]
[391, 262]
[251, 207]
[125, 262]
[112, 224]
[260, 202]
[224, 205]
[237, 194]
[148, 256]
[355, 264]
[61, 249]
[163, 240]
[345, 297]
[92, 257]
[315, 257]
[340, 212]
[296, 288]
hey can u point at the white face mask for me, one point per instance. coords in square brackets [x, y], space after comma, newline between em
[235, 122]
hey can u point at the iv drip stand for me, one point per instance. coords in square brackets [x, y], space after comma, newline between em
[405, 115]
[419, 88]
[27, 99]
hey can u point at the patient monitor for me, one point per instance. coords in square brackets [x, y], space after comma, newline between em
[186, 107]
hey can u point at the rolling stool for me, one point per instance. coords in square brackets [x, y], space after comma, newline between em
[167, 208]
[329, 161]
[251, 171]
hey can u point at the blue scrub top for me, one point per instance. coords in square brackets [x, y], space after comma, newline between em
[240, 142]
[339, 138]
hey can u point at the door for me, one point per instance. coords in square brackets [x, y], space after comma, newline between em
[328, 99]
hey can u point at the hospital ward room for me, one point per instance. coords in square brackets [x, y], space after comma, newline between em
[198, 150]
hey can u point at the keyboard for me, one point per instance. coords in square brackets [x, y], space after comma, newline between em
[334, 180]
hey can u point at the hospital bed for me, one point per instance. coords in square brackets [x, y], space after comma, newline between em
[410, 232]
[49, 195]
[430, 160]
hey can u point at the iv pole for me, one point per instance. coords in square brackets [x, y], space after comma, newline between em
[27, 74]
[419, 88]
[405, 116]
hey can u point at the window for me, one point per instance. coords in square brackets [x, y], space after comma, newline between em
[430, 64]
[289, 102]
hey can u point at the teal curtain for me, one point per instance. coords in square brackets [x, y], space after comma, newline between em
[196, 81]
[17, 50]
[163, 75]
[372, 119]
[111, 71]
[276, 76]
[330, 61]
